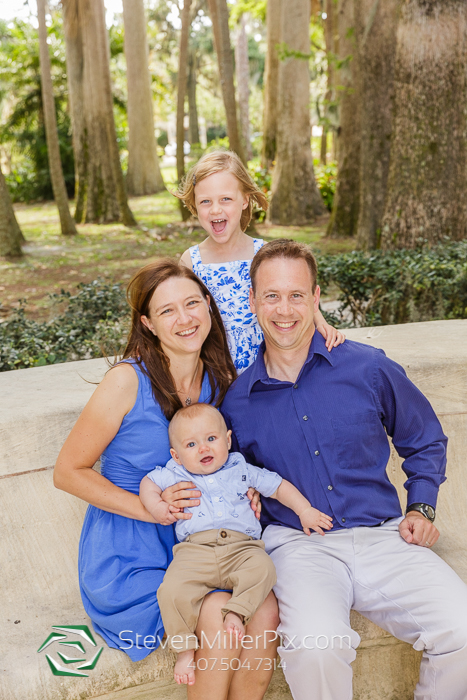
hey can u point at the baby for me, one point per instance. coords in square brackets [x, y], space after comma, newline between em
[220, 546]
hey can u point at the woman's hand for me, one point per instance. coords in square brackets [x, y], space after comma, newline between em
[255, 501]
[162, 514]
[180, 496]
[332, 336]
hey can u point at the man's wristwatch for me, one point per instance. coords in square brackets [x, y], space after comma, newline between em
[423, 508]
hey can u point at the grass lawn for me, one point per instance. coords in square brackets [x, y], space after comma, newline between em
[113, 252]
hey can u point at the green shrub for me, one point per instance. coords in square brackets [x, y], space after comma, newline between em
[326, 180]
[374, 289]
[94, 322]
[401, 286]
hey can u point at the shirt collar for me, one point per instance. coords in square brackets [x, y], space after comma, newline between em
[259, 372]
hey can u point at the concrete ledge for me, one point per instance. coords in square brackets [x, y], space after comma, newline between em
[40, 527]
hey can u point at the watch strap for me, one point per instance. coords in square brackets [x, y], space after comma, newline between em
[426, 510]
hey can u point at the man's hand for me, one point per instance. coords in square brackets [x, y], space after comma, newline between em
[416, 529]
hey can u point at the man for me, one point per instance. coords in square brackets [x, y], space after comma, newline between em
[321, 421]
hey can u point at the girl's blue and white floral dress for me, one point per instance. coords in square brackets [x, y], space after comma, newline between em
[229, 284]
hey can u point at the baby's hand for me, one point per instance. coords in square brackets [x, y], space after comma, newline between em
[164, 514]
[332, 336]
[313, 519]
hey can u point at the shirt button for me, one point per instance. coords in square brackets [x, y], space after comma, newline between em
[295, 386]
[216, 498]
[317, 453]
[211, 481]
[219, 513]
[305, 417]
[343, 520]
[329, 487]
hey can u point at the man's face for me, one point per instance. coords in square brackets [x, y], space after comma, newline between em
[284, 302]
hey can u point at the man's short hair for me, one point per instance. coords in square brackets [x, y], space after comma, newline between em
[284, 248]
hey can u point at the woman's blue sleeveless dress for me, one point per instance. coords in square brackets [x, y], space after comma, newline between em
[122, 561]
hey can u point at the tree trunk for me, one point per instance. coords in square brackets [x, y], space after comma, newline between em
[296, 199]
[182, 85]
[75, 77]
[106, 198]
[191, 90]
[271, 82]
[323, 149]
[376, 26]
[243, 80]
[220, 23]
[427, 195]
[344, 218]
[67, 224]
[11, 236]
[329, 32]
[144, 175]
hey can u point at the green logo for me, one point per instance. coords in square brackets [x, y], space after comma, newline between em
[71, 646]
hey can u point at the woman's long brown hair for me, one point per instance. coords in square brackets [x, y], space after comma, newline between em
[145, 348]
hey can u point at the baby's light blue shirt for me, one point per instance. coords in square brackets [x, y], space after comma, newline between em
[223, 503]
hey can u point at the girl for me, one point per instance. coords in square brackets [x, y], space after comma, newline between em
[221, 192]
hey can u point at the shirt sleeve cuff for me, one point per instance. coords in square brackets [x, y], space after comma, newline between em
[421, 492]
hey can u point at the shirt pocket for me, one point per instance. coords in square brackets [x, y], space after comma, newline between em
[357, 440]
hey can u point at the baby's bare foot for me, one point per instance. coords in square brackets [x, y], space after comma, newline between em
[184, 671]
[234, 625]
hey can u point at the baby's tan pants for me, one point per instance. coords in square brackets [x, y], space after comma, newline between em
[204, 562]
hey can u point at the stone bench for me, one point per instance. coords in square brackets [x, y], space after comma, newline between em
[41, 526]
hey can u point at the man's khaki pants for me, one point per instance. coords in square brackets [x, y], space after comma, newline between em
[204, 562]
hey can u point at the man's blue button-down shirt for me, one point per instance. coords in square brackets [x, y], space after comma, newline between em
[327, 433]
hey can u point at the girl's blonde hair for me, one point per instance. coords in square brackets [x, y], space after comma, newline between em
[216, 162]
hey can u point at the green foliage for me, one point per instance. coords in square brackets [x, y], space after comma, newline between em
[94, 321]
[24, 131]
[326, 176]
[256, 8]
[263, 179]
[400, 286]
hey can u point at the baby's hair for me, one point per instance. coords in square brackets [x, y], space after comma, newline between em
[191, 412]
[216, 162]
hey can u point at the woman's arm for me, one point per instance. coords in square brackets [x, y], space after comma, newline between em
[94, 430]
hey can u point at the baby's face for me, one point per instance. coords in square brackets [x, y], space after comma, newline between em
[201, 443]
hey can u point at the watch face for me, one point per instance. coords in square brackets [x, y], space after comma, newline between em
[426, 510]
[430, 512]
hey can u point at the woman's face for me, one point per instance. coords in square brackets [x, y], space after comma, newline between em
[179, 316]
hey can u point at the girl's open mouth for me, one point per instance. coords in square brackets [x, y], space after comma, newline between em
[218, 225]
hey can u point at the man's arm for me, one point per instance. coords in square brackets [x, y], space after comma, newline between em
[418, 437]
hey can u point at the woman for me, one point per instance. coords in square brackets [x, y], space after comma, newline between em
[176, 355]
